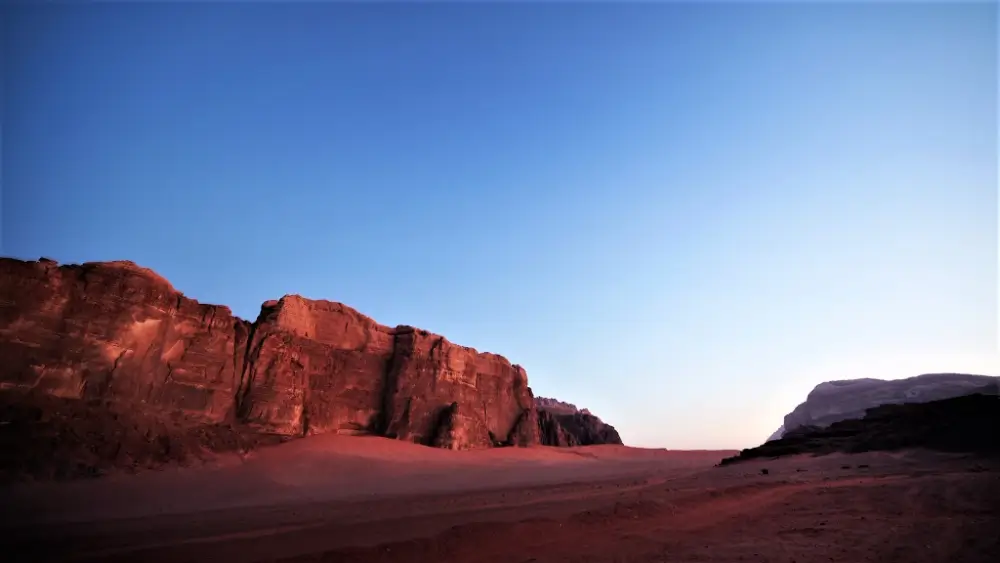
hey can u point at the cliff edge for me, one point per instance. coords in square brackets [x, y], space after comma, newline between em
[113, 363]
[849, 399]
[964, 424]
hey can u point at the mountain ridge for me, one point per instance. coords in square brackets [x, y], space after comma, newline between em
[833, 401]
[116, 345]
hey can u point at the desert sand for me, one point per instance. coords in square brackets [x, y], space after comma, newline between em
[349, 499]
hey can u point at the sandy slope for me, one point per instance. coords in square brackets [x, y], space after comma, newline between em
[369, 499]
[328, 468]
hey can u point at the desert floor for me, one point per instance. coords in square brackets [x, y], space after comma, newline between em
[342, 499]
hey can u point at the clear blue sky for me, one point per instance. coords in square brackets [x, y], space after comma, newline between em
[682, 217]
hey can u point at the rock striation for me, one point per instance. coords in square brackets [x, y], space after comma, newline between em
[563, 425]
[834, 401]
[113, 337]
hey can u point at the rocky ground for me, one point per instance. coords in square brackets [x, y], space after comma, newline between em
[329, 498]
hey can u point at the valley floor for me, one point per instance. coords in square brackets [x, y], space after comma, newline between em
[373, 500]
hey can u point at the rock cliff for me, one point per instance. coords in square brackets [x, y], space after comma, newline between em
[113, 337]
[562, 424]
[834, 401]
[969, 423]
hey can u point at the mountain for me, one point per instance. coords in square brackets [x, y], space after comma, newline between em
[834, 401]
[968, 424]
[105, 364]
[777, 433]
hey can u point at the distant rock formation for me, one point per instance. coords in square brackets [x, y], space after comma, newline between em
[558, 407]
[969, 423]
[112, 348]
[777, 433]
[562, 424]
[834, 401]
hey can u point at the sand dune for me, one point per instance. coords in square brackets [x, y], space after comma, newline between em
[328, 467]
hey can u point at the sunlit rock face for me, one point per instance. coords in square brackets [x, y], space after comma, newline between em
[117, 336]
[834, 401]
[116, 332]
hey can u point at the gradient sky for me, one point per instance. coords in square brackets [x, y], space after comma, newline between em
[680, 216]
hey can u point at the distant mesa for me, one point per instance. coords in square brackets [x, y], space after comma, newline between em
[834, 401]
[966, 424]
[106, 366]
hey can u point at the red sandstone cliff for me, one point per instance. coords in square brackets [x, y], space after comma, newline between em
[119, 338]
[116, 332]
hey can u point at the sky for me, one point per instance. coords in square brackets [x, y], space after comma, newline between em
[680, 216]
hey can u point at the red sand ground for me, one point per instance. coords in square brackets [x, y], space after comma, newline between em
[341, 499]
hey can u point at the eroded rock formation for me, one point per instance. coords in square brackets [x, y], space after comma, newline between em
[562, 424]
[834, 401]
[969, 423]
[114, 337]
[117, 332]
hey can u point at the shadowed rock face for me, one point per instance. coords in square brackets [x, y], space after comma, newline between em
[553, 433]
[119, 338]
[556, 406]
[969, 423]
[562, 424]
[460, 430]
[834, 401]
[777, 433]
